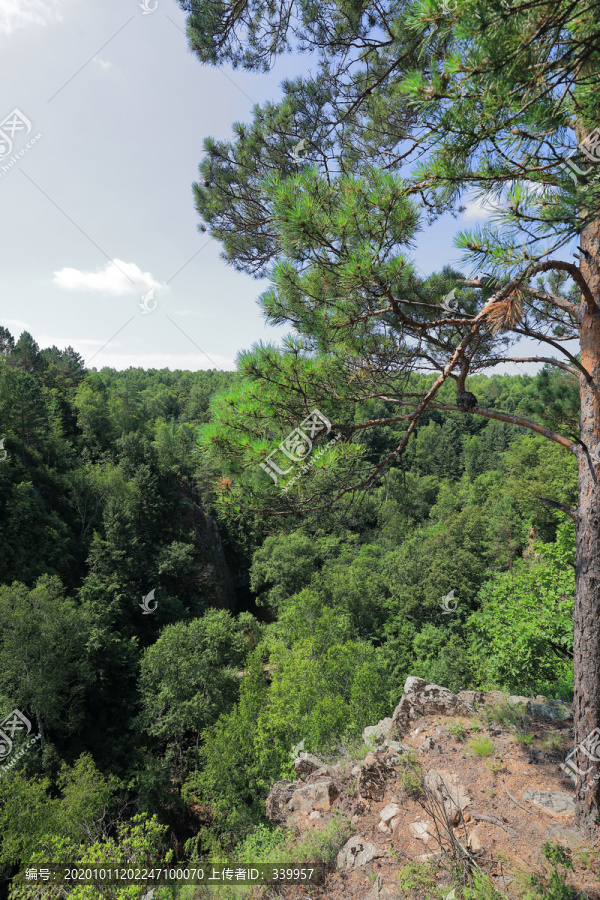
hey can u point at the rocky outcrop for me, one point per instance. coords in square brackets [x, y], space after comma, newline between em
[278, 799]
[424, 698]
[306, 764]
[313, 796]
[211, 575]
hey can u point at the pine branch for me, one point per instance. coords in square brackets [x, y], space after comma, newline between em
[554, 504]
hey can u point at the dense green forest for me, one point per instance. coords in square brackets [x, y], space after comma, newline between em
[163, 732]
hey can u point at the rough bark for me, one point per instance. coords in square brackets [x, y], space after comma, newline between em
[586, 619]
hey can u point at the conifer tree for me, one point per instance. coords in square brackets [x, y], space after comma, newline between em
[413, 107]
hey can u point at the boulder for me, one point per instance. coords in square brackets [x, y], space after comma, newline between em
[515, 699]
[449, 791]
[313, 796]
[356, 852]
[372, 778]
[306, 764]
[473, 698]
[428, 744]
[277, 801]
[555, 803]
[549, 711]
[424, 698]
[375, 735]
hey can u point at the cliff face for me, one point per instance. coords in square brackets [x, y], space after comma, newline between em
[212, 577]
[448, 789]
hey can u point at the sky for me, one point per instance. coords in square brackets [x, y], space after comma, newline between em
[103, 114]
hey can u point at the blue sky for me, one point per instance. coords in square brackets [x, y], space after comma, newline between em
[98, 212]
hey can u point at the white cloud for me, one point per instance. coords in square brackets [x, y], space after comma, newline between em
[104, 64]
[478, 208]
[117, 278]
[20, 13]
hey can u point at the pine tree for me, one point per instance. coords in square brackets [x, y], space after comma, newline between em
[498, 98]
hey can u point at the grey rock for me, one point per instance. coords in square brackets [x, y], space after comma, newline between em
[306, 764]
[556, 803]
[389, 812]
[473, 698]
[424, 698]
[448, 789]
[356, 852]
[375, 735]
[313, 796]
[491, 698]
[420, 831]
[372, 778]
[549, 711]
[398, 747]
[428, 744]
[277, 801]
[515, 699]
[403, 717]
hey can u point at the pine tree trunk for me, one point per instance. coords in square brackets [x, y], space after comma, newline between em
[586, 619]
